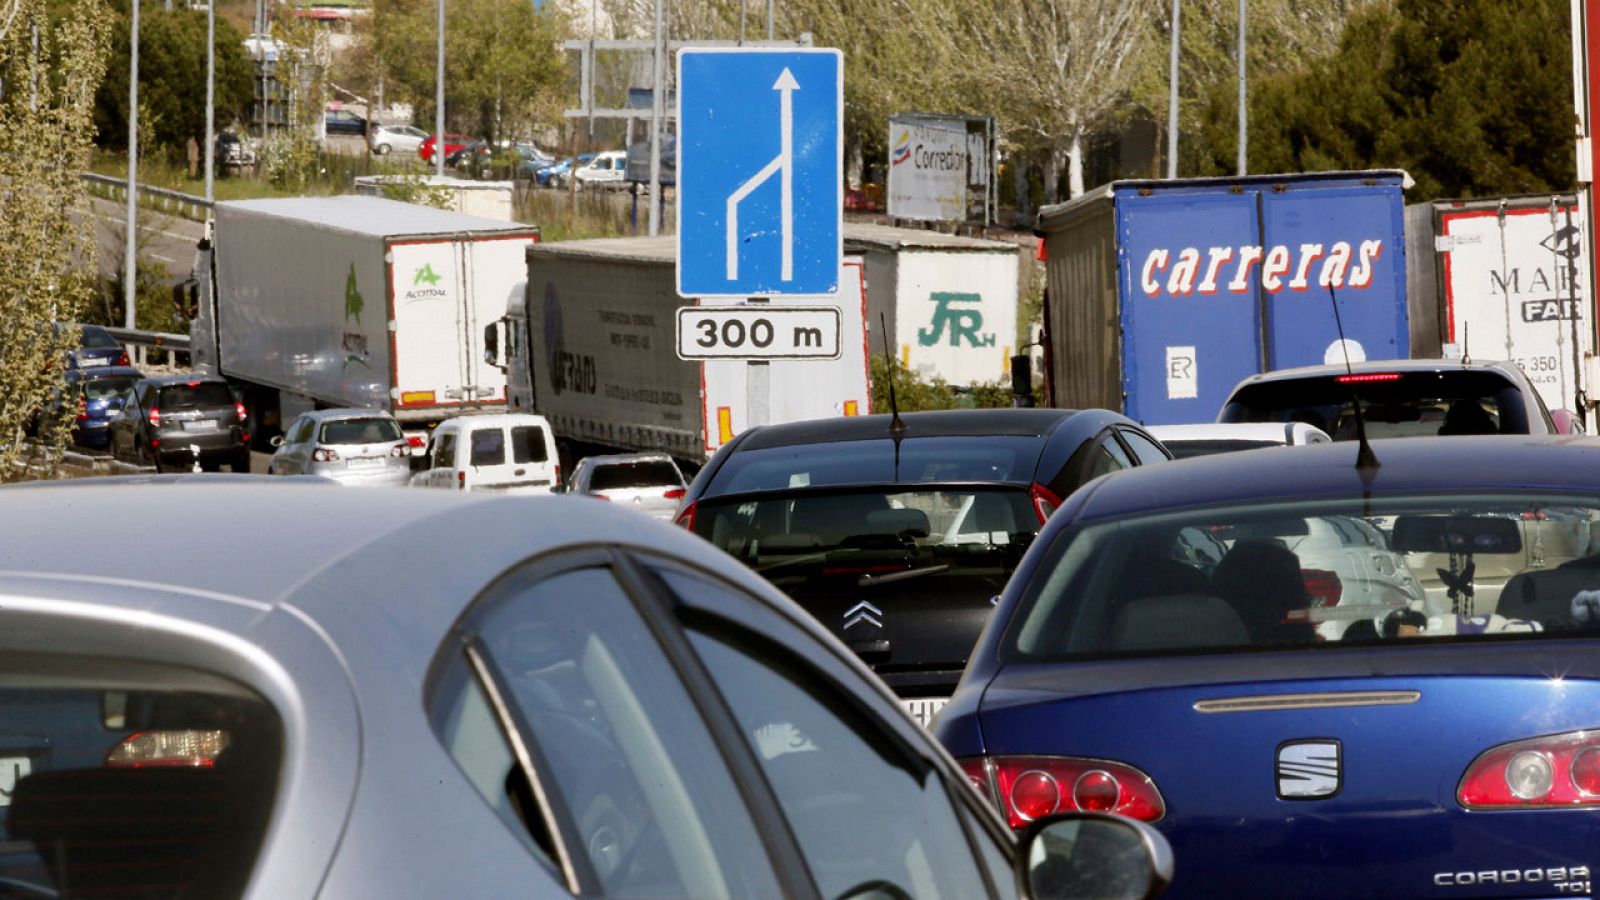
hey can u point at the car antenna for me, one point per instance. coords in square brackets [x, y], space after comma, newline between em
[1366, 460]
[897, 426]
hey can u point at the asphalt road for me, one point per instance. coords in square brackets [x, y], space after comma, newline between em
[164, 239]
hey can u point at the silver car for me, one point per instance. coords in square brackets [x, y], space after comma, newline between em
[648, 482]
[357, 447]
[430, 694]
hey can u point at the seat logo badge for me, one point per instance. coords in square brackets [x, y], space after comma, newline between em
[1309, 770]
[863, 612]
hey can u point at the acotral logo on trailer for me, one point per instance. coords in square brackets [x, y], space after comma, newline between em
[426, 275]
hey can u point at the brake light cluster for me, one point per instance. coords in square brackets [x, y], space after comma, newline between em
[155, 417]
[1560, 771]
[324, 454]
[685, 517]
[1032, 787]
[1368, 378]
[1045, 501]
[674, 494]
[1323, 587]
[187, 747]
[122, 359]
[83, 409]
[401, 449]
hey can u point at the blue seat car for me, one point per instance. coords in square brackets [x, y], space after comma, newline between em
[1163, 652]
[90, 399]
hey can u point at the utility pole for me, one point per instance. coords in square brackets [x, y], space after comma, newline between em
[657, 109]
[438, 103]
[211, 96]
[130, 254]
[1172, 100]
[1244, 114]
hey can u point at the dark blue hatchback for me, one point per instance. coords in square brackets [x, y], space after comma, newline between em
[1317, 681]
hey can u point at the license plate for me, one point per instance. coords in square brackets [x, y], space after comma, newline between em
[12, 770]
[366, 462]
[923, 709]
[200, 425]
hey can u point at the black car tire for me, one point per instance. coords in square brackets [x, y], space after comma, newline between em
[240, 461]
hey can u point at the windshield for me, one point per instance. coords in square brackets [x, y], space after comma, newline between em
[97, 338]
[195, 395]
[829, 543]
[360, 431]
[989, 459]
[650, 473]
[1478, 401]
[104, 388]
[1317, 574]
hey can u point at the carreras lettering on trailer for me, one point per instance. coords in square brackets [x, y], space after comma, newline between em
[1193, 271]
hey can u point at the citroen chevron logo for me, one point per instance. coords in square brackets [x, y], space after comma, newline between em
[863, 612]
[1309, 770]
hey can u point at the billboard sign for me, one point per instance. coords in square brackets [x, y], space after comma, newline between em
[941, 168]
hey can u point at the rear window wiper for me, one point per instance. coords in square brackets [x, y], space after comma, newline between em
[869, 579]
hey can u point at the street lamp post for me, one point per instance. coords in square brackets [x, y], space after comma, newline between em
[211, 96]
[1172, 100]
[130, 255]
[438, 106]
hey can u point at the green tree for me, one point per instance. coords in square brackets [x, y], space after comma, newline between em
[503, 65]
[51, 67]
[172, 77]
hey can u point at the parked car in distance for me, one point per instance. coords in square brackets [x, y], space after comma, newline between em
[506, 452]
[547, 698]
[355, 447]
[1427, 740]
[385, 139]
[91, 399]
[177, 421]
[648, 482]
[898, 540]
[470, 154]
[96, 347]
[1399, 398]
[604, 170]
[1186, 441]
[233, 152]
[556, 174]
[343, 121]
[452, 143]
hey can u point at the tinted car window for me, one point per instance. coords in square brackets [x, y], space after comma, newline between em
[632, 475]
[488, 447]
[111, 788]
[1477, 401]
[301, 431]
[105, 388]
[620, 743]
[527, 444]
[1145, 449]
[990, 459]
[360, 431]
[97, 338]
[444, 451]
[1106, 457]
[195, 395]
[1188, 449]
[863, 810]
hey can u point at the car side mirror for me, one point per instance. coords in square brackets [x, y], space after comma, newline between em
[277, 440]
[1080, 855]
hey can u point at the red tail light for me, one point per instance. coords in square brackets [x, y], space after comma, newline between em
[155, 417]
[1557, 772]
[1045, 501]
[239, 408]
[601, 497]
[1031, 787]
[168, 748]
[415, 440]
[401, 449]
[324, 454]
[674, 494]
[686, 517]
[83, 409]
[122, 359]
[461, 479]
[1323, 587]
[1534, 515]
[1368, 378]
[558, 473]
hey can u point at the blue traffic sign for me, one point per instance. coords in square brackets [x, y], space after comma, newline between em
[760, 172]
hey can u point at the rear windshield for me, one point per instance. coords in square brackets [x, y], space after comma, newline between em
[102, 388]
[1394, 405]
[129, 780]
[614, 476]
[95, 337]
[195, 395]
[826, 543]
[375, 430]
[1188, 449]
[528, 444]
[994, 459]
[489, 447]
[1317, 574]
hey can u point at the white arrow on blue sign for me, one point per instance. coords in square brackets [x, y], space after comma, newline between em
[760, 172]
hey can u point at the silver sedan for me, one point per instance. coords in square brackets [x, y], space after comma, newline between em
[282, 689]
[355, 447]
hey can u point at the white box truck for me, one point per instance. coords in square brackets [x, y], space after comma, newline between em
[323, 302]
[594, 350]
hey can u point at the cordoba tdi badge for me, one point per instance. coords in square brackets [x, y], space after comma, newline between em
[1309, 769]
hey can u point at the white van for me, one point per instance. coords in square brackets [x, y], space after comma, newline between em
[510, 452]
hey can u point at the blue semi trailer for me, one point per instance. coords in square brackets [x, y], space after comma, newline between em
[1162, 295]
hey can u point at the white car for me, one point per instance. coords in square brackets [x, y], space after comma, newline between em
[506, 452]
[605, 170]
[1221, 437]
[648, 482]
[385, 139]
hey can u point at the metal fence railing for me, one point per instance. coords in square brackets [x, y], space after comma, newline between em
[187, 205]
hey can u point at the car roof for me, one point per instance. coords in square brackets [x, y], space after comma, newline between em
[212, 527]
[85, 373]
[1420, 464]
[942, 423]
[164, 380]
[622, 459]
[502, 420]
[348, 413]
[1387, 365]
